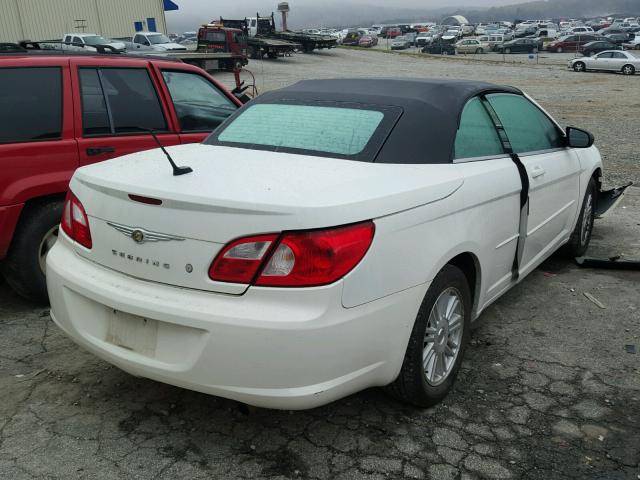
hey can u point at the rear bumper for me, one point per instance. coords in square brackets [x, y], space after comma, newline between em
[273, 348]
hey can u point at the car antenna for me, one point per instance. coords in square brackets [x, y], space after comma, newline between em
[176, 169]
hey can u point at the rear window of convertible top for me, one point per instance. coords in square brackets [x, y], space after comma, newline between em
[327, 129]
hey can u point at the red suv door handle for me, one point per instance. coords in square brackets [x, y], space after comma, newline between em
[100, 150]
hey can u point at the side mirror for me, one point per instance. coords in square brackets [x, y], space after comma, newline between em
[578, 138]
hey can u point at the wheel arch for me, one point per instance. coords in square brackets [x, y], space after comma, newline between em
[34, 203]
[25, 210]
[469, 263]
[597, 177]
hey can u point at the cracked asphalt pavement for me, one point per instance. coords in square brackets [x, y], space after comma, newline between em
[549, 389]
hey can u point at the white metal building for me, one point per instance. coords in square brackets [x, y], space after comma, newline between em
[50, 19]
[455, 20]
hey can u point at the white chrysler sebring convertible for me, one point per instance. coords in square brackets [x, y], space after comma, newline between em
[328, 237]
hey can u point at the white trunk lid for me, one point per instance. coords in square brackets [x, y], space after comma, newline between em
[232, 193]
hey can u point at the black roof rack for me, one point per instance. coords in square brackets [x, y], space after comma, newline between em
[51, 45]
[56, 47]
[6, 47]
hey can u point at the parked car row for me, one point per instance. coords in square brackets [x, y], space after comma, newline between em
[587, 44]
[518, 45]
[537, 35]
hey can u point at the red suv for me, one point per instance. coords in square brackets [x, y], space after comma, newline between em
[60, 111]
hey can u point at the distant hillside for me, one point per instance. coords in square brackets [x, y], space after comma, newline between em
[553, 9]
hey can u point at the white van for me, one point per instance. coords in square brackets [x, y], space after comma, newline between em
[494, 40]
[549, 33]
[582, 29]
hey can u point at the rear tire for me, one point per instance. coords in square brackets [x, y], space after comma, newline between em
[24, 266]
[507, 51]
[559, 50]
[254, 53]
[417, 384]
[628, 70]
[479, 50]
[581, 235]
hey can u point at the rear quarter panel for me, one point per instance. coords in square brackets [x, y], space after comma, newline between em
[411, 247]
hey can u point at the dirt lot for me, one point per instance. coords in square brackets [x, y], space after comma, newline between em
[549, 388]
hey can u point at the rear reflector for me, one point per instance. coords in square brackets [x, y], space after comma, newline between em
[294, 259]
[75, 222]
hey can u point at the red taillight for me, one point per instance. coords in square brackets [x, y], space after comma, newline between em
[240, 260]
[297, 259]
[75, 222]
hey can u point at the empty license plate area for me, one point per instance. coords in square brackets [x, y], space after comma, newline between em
[132, 332]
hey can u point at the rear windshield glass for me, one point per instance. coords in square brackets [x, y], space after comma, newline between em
[345, 131]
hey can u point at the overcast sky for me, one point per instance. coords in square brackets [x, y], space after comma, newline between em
[194, 12]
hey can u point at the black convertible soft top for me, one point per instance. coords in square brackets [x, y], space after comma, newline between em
[431, 108]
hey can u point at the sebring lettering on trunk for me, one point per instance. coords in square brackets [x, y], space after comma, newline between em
[145, 261]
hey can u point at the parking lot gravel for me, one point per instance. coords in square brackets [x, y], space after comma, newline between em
[549, 389]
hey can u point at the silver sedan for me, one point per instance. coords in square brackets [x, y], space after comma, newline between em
[609, 60]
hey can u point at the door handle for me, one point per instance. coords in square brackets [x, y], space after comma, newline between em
[99, 150]
[537, 172]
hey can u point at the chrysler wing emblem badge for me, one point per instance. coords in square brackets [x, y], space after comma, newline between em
[137, 236]
[140, 235]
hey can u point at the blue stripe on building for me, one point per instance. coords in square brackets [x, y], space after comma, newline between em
[169, 5]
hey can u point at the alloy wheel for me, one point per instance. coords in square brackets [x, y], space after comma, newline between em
[47, 243]
[587, 216]
[443, 336]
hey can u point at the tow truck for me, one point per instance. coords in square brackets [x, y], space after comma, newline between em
[218, 48]
[308, 41]
[261, 36]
